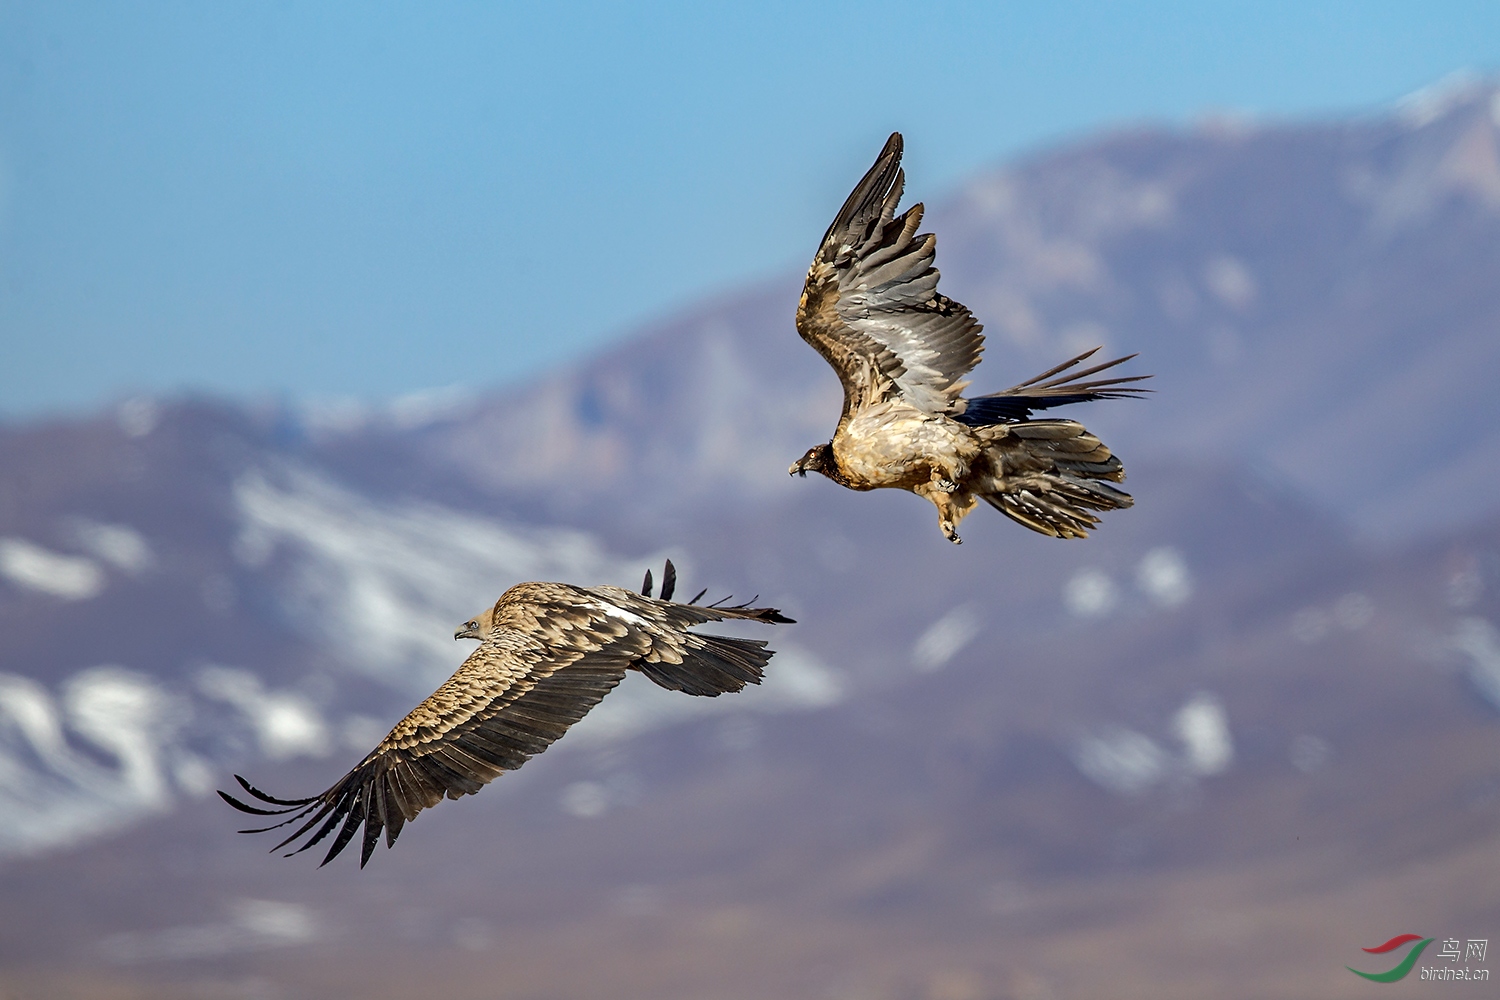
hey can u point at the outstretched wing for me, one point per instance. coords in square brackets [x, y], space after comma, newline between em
[513, 696]
[556, 651]
[1055, 387]
[871, 307]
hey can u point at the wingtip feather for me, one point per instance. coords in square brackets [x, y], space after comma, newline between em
[270, 798]
[668, 581]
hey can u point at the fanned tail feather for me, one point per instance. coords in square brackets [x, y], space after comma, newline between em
[1055, 475]
[1063, 510]
[714, 665]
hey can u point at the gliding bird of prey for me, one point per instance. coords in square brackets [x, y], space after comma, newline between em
[871, 307]
[547, 653]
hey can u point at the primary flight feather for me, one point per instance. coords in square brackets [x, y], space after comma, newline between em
[871, 308]
[548, 652]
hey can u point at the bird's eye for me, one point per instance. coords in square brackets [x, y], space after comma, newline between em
[472, 625]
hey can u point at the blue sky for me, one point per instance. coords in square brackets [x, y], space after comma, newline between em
[328, 200]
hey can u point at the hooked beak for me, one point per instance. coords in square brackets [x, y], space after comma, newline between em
[797, 470]
[465, 632]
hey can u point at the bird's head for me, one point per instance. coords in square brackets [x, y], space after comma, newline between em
[477, 628]
[819, 458]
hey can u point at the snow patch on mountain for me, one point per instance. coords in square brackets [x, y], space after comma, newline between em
[54, 792]
[946, 638]
[33, 567]
[251, 925]
[1120, 760]
[1203, 729]
[286, 724]
[1128, 762]
[119, 545]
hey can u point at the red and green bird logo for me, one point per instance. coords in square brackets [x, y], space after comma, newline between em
[1403, 967]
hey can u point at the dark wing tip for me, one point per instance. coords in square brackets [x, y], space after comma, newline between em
[244, 808]
[770, 615]
[668, 581]
[1060, 385]
[283, 805]
[373, 826]
[268, 798]
[744, 610]
[740, 610]
[865, 201]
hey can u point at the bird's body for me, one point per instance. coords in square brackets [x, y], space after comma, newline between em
[871, 308]
[548, 652]
[893, 444]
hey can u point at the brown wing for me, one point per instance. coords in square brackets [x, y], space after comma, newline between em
[509, 701]
[871, 307]
[556, 650]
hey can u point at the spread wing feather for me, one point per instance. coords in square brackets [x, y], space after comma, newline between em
[513, 705]
[1057, 386]
[555, 652]
[870, 304]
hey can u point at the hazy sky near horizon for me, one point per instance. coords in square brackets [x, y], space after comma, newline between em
[327, 200]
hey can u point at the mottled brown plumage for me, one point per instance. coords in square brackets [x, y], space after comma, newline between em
[548, 652]
[871, 308]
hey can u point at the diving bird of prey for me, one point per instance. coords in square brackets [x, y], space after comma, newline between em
[871, 307]
[547, 653]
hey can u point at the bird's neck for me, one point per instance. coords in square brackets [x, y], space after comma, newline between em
[833, 470]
